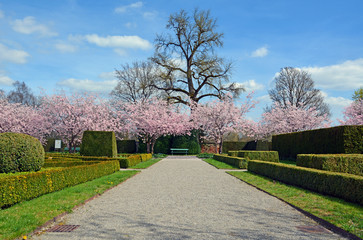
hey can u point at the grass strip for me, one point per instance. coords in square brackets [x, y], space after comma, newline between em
[218, 164]
[146, 164]
[340, 213]
[25, 217]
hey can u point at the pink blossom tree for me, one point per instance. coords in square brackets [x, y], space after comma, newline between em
[71, 115]
[219, 117]
[353, 114]
[15, 117]
[290, 119]
[154, 118]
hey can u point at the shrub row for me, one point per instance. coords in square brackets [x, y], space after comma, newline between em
[126, 146]
[234, 161]
[251, 145]
[346, 163]
[134, 159]
[50, 164]
[341, 139]
[269, 156]
[14, 189]
[342, 185]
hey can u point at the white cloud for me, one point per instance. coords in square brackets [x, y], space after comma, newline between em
[260, 52]
[89, 85]
[66, 48]
[251, 85]
[345, 76]
[5, 80]
[118, 41]
[335, 101]
[123, 9]
[12, 55]
[150, 15]
[28, 25]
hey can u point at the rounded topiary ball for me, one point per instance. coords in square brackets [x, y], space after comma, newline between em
[20, 153]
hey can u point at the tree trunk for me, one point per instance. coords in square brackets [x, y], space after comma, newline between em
[148, 147]
[220, 146]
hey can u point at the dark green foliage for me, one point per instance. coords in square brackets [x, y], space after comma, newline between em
[126, 146]
[346, 163]
[99, 143]
[234, 161]
[163, 144]
[269, 156]
[342, 185]
[233, 146]
[159, 155]
[341, 139]
[251, 145]
[134, 159]
[185, 141]
[14, 189]
[20, 153]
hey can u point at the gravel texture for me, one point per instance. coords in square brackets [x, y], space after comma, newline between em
[182, 197]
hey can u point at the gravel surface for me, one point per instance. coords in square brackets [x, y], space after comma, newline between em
[183, 197]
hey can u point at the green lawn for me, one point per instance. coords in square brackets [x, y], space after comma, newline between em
[146, 164]
[219, 164]
[345, 215]
[25, 217]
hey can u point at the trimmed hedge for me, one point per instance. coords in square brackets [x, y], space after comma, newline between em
[269, 156]
[134, 159]
[15, 189]
[251, 145]
[234, 161]
[342, 185]
[233, 146]
[341, 139]
[126, 146]
[346, 163]
[51, 164]
[20, 153]
[99, 143]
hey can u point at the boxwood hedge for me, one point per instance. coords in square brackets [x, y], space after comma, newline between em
[342, 185]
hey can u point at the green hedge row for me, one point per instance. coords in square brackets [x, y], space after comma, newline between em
[346, 163]
[251, 145]
[269, 156]
[134, 159]
[234, 161]
[341, 139]
[342, 185]
[50, 164]
[14, 189]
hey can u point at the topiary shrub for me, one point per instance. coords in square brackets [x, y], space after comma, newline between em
[99, 143]
[20, 153]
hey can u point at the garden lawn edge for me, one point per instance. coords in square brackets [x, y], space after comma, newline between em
[321, 221]
[50, 223]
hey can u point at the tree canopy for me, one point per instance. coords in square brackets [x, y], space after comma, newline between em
[190, 68]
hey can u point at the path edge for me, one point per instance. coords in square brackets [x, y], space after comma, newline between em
[321, 221]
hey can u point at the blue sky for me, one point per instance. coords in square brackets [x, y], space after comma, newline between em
[77, 45]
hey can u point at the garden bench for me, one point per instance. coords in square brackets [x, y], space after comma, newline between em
[181, 150]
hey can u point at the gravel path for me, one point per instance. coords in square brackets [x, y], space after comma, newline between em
[186, 198]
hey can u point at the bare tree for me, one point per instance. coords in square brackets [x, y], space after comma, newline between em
[135, 82]
[22, 94]
[296, 87]
[186, 57]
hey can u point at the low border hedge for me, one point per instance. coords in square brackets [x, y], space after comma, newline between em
[234, 161]
[269, 156]
[50, 164]
[342, 185]
[346, 163]
[15, 189]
